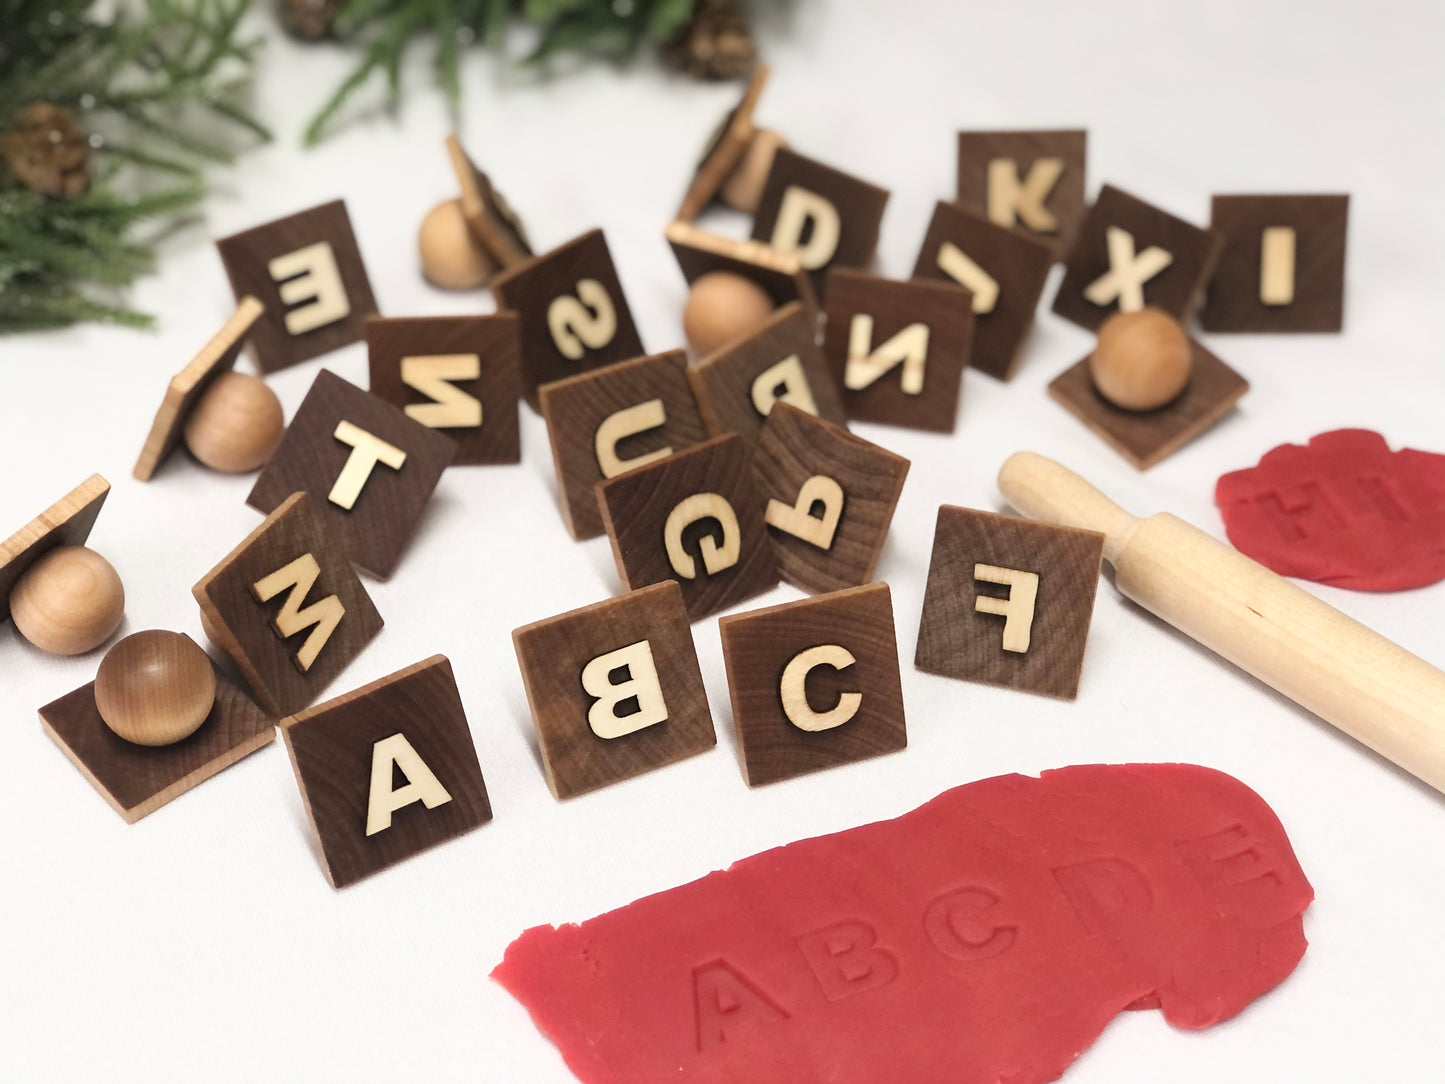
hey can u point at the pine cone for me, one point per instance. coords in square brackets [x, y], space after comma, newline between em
[715, 43]
[47, 151]
[309, 20]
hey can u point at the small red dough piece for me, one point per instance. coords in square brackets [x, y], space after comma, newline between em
[988, 935]
[1344, 510]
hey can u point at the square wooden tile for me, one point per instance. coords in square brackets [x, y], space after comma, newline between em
[814, 684]
[489, 216]
[828, 217]
[780, 362]
[1282, 267]
[290, 644]
[1131, 254]
[571, 311]
[388, 770]
[368, 467]
[607, 421]
[898, 349]
[780, 274]
[306, 269]
[1009, 601]
[694, 517]
[615, 689]
[459, 375]
[1004, 271]
[1029, 181]
[67, 522]
[136, 779]
[1146, 437]
[725, 149]
[828, 499]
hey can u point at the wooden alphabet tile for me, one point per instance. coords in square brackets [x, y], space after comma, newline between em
[615, 689]
[571, 312]
[1005, 272]
[694, 517]
[1282, 267]
[368, 467]
[388, 770]
[814, 684]
[898, 349]
[67, 522]
[724, 150]
[780, 274]
[488, 215]
[1032, 182]
[138, 779]
[829, 218]
[1131, 254]
[1146, 437]
[1009, 601]
[287, 607]
[610, 420]
[306, 270]
[780, 363]
[829, 499]
[459, 375]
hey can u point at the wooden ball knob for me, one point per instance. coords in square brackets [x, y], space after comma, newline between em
[236, 425]
[1142, 360]
[68, 602]
[722, 307]
[744, 187]
[451, 258]
[155, 687]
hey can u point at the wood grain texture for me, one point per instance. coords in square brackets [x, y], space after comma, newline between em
[375, 530]
[67, 522]
[757, 649]
[724, 150]
[1147, 437]
[247, 256]
[637, 507]
[552, 655]
[495, 342]
[186, 387]
[244, 628]
[575, 408]
[1018, 266]
[1065, 201]
[136, 779]
[958, 640]
[489, 216]
[530, 287]
[794, 447]
[943, 308]
[1320, 223]
[780, 274]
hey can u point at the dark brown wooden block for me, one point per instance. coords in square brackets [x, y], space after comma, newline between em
[1282, 267]
[1146, 437]
[67, 522]
[387, 770]
[306, 269]
[1003, 270]
[779, 273]
[138, 779]
[370, 495]
[814, 684]
[489, 216]
[1032, 182]
[607, 421]
[978, 621]
[828, 499]
[459, 375]
[724, 150]
[287, 669]
[828, 217]
[615, 689]
[1162, 261]
[781, 362]
[923, 332]
[694, 517]
[571, 311]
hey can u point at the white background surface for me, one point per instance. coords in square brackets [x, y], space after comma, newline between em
[204, 944]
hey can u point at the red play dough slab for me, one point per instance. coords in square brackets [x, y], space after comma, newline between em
[1344, 510]
[987, 936]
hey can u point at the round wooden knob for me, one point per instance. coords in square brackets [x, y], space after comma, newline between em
[451, 258]
[721, 307]
[236, 425]
[68, 602]
[155, 687]
[1142, 360]
[744, 187]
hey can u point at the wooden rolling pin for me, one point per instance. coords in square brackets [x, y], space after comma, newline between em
[1350, 676]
